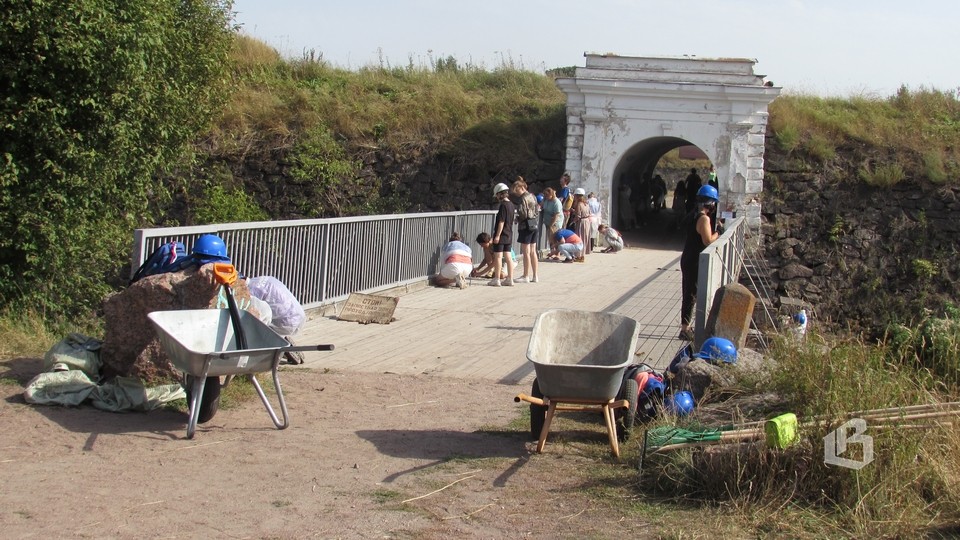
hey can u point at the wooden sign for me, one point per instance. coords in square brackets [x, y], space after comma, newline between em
[368, 308]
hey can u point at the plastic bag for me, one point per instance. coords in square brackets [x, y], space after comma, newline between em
[263, 309]
[288, 314]
[75, 351]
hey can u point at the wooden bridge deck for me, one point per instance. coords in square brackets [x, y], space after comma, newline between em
[482, 332]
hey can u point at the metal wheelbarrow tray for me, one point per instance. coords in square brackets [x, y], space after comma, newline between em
[579, 358]
[202, 343]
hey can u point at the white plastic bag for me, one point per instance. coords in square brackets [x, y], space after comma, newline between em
[288, 314]
[262, 308]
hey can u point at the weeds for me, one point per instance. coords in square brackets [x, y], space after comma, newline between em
[921, 128]
[883, 175]
[27, 333]
[912, 481]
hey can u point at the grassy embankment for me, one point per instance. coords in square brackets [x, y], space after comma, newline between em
[913, 483]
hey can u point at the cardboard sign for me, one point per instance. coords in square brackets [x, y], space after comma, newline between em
[368, 308]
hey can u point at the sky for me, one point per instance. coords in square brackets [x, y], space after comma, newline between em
[821, 47]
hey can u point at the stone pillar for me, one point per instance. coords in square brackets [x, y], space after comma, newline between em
[574, 144]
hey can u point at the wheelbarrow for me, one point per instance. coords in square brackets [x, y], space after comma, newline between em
[579, 358]
[202, 343]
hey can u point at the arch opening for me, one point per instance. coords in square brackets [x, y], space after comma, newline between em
[645, 182]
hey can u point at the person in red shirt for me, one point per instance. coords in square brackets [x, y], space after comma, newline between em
[569, 244]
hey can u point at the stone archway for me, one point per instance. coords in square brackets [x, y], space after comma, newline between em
[621, 107]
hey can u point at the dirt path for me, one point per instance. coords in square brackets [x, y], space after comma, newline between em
[366, 456]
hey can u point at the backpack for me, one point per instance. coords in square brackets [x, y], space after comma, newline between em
[651, 386]
[169, 257]
[528, 208]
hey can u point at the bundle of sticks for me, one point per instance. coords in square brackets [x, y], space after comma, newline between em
[909, 417]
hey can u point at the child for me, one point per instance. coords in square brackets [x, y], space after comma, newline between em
[485, 268]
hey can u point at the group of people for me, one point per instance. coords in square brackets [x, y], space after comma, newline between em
[641, 198]
[572, 222]
[570, 226]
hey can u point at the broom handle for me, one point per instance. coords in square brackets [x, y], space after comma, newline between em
[870, 413]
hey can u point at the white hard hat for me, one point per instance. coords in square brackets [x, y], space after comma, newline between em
[498, 188]
[579, 191]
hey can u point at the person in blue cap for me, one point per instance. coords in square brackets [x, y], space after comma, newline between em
[701, 229]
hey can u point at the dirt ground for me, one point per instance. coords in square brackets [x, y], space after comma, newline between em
[365, 456]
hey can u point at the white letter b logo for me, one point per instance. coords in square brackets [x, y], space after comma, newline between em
[835, 444]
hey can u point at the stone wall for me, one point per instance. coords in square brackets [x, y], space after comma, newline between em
[420, 176]
[862, 255]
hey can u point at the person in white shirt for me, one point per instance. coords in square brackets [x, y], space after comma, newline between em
[595, 209]
[611, 238]
[457, 263]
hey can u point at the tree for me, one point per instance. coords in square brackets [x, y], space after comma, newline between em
[99, 96]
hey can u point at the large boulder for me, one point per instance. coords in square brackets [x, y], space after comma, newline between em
[698, 375]
[131, 347]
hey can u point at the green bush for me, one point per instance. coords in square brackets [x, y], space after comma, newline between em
[99, 95]
[227, 205]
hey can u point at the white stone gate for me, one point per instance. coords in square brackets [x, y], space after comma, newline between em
[625, 113]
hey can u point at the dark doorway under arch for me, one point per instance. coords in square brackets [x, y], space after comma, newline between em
[649, 223]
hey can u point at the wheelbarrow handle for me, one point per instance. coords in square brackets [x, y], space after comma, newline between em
[530, 399]
[324, 347]
[242, 352]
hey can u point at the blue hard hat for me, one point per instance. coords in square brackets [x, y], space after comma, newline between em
[716, 350]
[708, 192]
[210, 247]
[679, 403]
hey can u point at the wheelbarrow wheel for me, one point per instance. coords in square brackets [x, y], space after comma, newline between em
[209, 401]
[538, 413]
[626, 417]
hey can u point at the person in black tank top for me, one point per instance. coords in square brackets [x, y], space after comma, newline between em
[701, 229]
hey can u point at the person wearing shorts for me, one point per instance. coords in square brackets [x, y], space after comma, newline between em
[528, 225]
[457, 263]
[485, 268]
[502, 236]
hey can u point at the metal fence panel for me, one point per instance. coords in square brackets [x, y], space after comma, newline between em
[322, 261]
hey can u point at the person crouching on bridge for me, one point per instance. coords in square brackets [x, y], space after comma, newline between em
[457, 263]
[611, 237]
[569, 245]
[485, 268]
[701, 229]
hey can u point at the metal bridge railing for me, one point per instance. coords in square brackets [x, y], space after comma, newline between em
[322, 261]
[720, 263]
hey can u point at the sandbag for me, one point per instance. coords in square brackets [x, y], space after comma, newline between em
[128, 394]
[76, 351]
[68, 388]
[288, 314]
